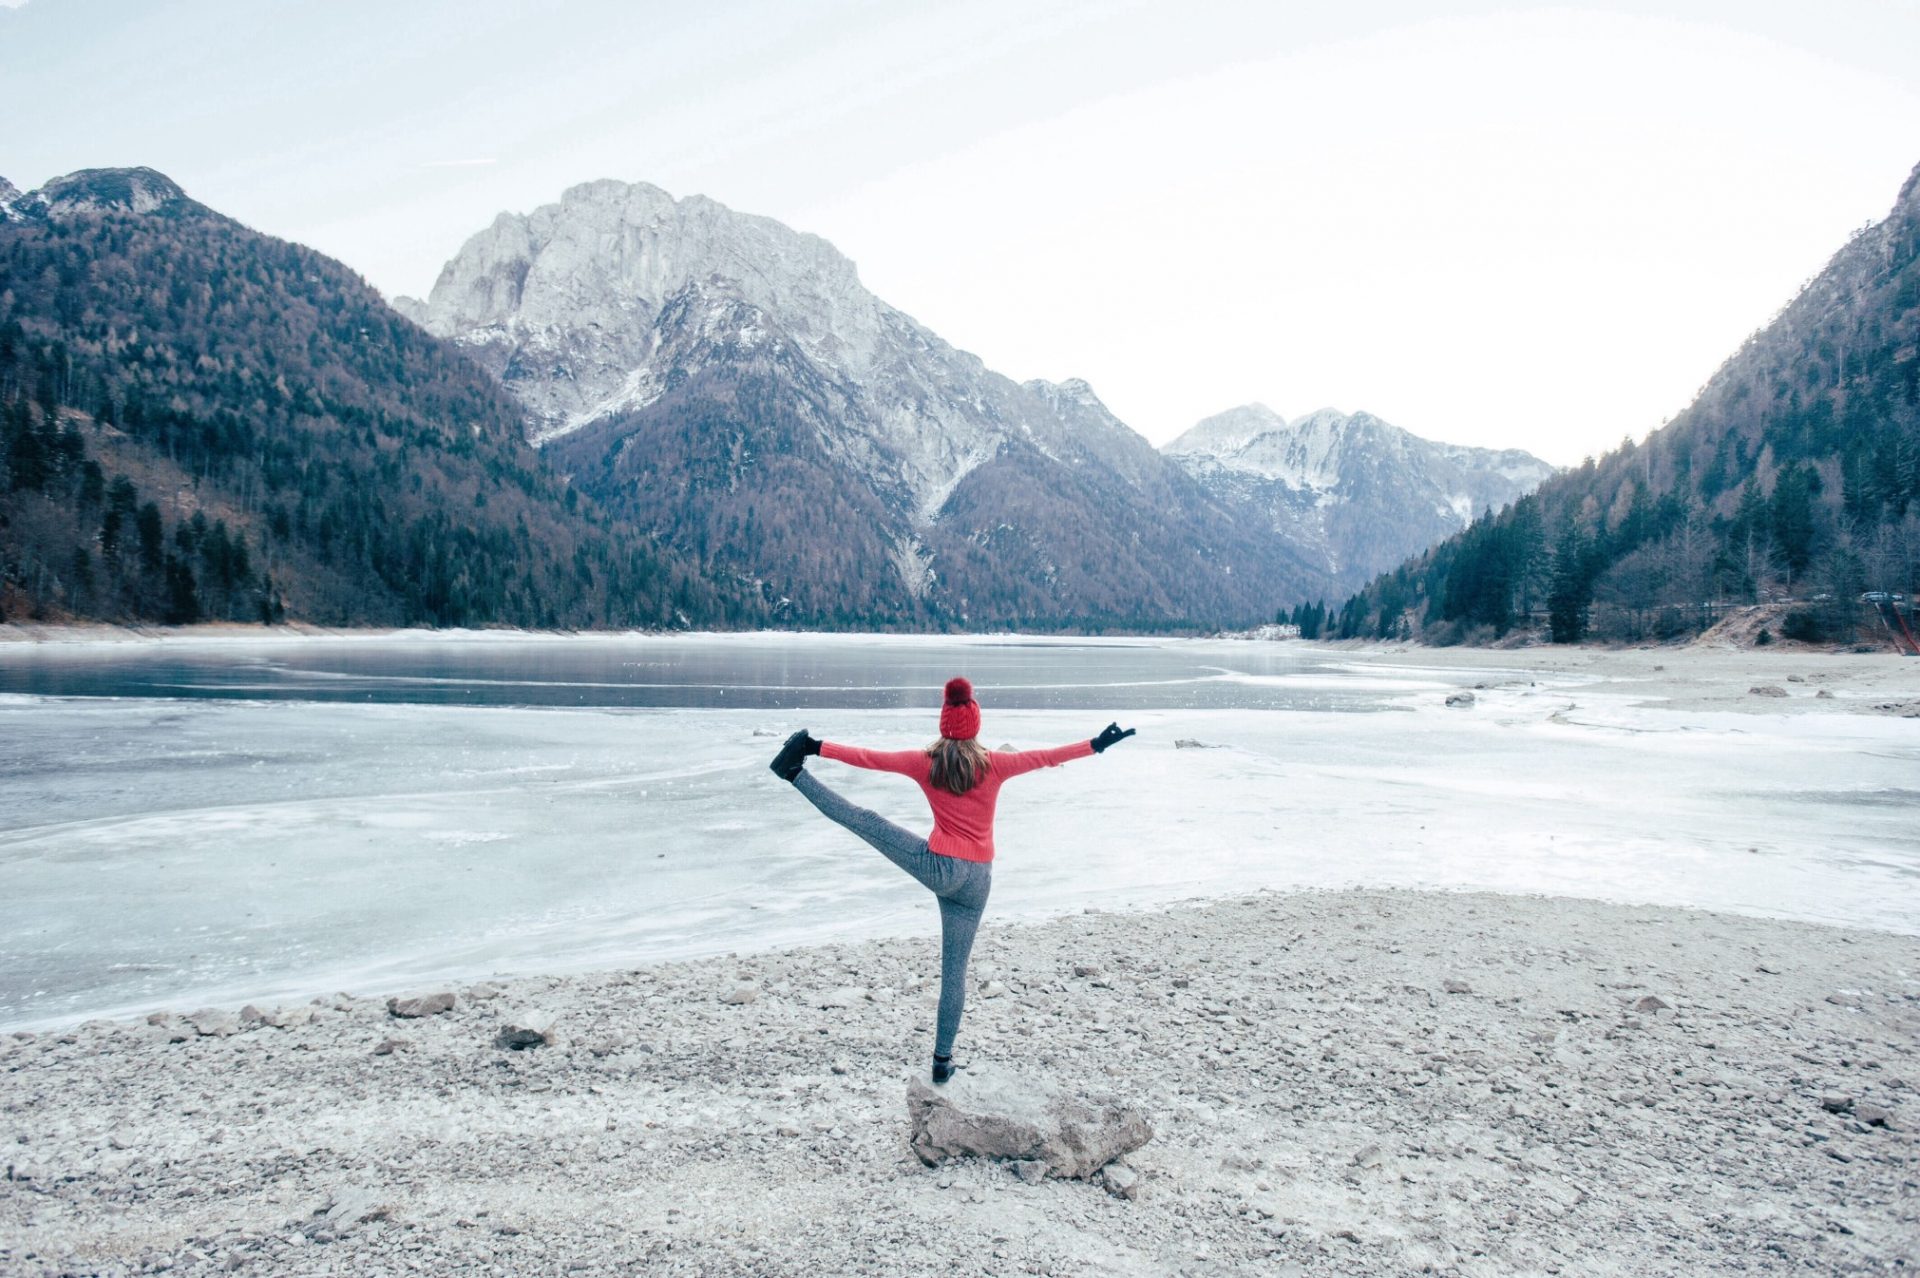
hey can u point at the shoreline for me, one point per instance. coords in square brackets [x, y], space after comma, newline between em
[1342, 1081]
[134, 1012]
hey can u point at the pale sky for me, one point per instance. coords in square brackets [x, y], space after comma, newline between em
[1515, 225]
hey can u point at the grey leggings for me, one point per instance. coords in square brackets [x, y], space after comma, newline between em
[960, 886]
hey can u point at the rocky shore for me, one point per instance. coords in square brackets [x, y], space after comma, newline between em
[1337, 1083]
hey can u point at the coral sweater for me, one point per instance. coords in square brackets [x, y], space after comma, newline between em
[962, 823]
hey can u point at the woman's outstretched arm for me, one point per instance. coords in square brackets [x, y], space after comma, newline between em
[1012, 763]
[906, 762]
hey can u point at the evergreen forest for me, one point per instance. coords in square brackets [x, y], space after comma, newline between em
[199, 422]
[1794, 478]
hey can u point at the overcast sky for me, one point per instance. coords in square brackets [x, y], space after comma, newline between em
[1502, 224]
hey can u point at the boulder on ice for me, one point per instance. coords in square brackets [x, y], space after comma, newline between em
[987, 1112]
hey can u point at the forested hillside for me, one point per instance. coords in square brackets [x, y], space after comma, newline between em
[1795, 475]
[202, 422]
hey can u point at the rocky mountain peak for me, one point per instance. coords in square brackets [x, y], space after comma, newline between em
[1364, 491]
[1227, 432]
[136, 190]
[565, 300]
[1073, 396]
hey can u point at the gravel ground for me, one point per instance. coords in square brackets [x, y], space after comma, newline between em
[1352, 1082]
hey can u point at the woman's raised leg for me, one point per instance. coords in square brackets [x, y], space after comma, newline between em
[961, 888]
[902, 847]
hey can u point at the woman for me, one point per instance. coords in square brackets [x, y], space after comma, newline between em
[961, 779]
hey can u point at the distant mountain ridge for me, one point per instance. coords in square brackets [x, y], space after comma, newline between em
[1362, 493]
[732, 430]
[730, 384]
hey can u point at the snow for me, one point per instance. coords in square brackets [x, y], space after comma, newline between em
[278, 848]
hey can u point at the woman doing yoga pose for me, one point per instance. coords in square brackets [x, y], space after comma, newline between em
[961, 779]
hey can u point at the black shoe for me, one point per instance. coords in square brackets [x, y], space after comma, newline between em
[793, 755]
[942, 1068]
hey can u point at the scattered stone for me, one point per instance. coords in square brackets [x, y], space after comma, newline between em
[1120, 1180]
[1766, 690]
[349, 1208]
[844, 997]
[989, 1112]
[388, 1046]
[425, 1005]
[1873, 1115]
[840, 1067]
[519, 1035]
[1031, 1170]
[607, 1046]
[1188, 743]
[251, 1015]
[1456, 987]
[1825, 694]
[741, 994]
[1835, 1103]
[1841, 998]
[1085, 969]
[211, 1022]
[993, 989]
[1796, 678]
[1460, 699]
[1652, 1003]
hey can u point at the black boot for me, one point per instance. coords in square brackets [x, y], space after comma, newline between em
[793, 755]
[942, 1068]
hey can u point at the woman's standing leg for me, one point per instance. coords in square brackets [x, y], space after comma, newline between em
[961, 909]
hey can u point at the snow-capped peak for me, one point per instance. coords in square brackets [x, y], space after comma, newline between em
[1227, 432]
[1368, 491]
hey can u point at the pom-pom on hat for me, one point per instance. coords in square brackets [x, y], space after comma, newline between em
[960, 716]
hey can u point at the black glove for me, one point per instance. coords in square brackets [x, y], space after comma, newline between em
[1108, 736]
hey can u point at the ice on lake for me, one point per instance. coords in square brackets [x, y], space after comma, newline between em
[257, 820]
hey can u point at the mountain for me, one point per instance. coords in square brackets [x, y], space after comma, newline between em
[1359, 492]
[1794, 475]
[730, 385]
[200, 421]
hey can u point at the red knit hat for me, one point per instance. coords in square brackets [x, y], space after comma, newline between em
[960, 717]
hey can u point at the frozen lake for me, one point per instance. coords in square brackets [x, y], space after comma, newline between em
[219, 821]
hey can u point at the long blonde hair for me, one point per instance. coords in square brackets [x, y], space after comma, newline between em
[957, 766]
